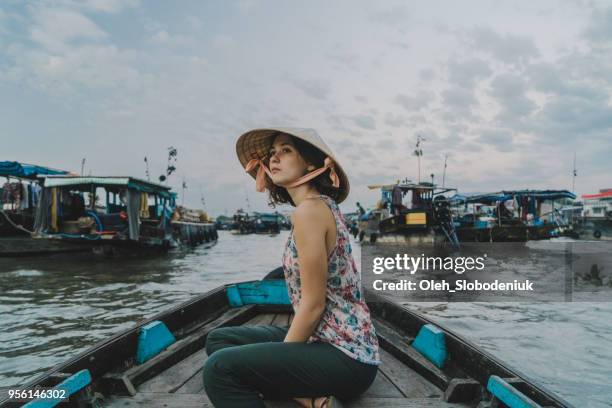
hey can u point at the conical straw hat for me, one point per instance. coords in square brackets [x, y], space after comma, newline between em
[256, 143]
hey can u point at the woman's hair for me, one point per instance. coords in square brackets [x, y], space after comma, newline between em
[310, 154]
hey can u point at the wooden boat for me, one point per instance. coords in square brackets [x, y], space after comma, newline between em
[17, 219]
[158, 362]
[115, 215]
[425, 219]
[485, 218]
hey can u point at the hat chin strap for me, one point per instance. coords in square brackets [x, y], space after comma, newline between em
[260, 178]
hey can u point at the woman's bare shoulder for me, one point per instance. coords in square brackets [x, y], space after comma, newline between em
[309, 211]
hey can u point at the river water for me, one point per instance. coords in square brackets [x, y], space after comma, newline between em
[52, 308]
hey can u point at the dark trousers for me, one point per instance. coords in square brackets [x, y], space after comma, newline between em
[246, 361]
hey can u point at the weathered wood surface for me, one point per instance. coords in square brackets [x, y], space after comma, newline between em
[157, 400]
[281, 319]
[399, 346]
[408, 381]
[176, 376]
[263, 319]
[175, 353]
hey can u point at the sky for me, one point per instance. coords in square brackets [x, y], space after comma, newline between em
[508, 91]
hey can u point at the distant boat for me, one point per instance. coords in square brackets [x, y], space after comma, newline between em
[409, 213]
[244, 223]
[489, 218]
[115, 215]
[595, 221]
[267, 223]
[19, 196]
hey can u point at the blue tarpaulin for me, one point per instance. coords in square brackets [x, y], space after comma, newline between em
[23, 170]
[492, 198]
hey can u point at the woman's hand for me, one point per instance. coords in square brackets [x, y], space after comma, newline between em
[309, 233]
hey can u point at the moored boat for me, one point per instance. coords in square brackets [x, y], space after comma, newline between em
[595, 221]
[19, 196]
[114, 215]
[159, 361]
[510, 216]
[414, 213]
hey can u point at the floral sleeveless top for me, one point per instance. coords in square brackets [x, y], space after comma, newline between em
[346, 322]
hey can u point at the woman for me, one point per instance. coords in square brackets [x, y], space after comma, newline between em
[330, 351]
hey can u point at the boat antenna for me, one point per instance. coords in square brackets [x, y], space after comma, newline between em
[183, 188]
[574, 175]
[246, 194]
[418, 152]
[444, 171]
[147, 168]
[83, 167]
[202, 198]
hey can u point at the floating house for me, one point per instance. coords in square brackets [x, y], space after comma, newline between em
[19, 196]
[114, 214]
[410, 212]
[510, 215]
[596, 218]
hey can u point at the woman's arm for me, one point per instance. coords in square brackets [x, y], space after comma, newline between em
[309, 231]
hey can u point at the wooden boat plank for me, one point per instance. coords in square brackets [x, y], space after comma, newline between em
[399, 346]
[195, 385]
[176, 376]
[408, 381]
[180, 349]
[261, 319]
[281, 319]
[382, 387]
[163, 400]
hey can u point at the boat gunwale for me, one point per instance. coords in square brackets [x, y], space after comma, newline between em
[82, 360]
[456, 341]
[492, 365]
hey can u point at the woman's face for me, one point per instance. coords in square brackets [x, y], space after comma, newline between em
[286, 164]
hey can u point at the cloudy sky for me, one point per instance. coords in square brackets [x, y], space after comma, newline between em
[510, 91]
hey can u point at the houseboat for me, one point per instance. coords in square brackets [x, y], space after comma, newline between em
[510, 215]
[409, 213]
[595, 221]
[114, 215]
[19, 196]
[267, 223]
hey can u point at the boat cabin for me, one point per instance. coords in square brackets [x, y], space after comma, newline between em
[109, 209]
[19, 195]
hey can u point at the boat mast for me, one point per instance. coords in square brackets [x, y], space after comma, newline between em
[574, 174]
[444, 171]
[418, 152]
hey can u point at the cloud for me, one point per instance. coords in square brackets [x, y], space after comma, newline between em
[364, 121]
[600, 28]
[501, 139]
[509, 91]
[317, 88]
[508, 48]
[459, 99]
[427, 75]
[417, 102]
[397, 15]
[467, 73]
[395, 120]
[101, 6]
[223, 42]
[53, 29]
